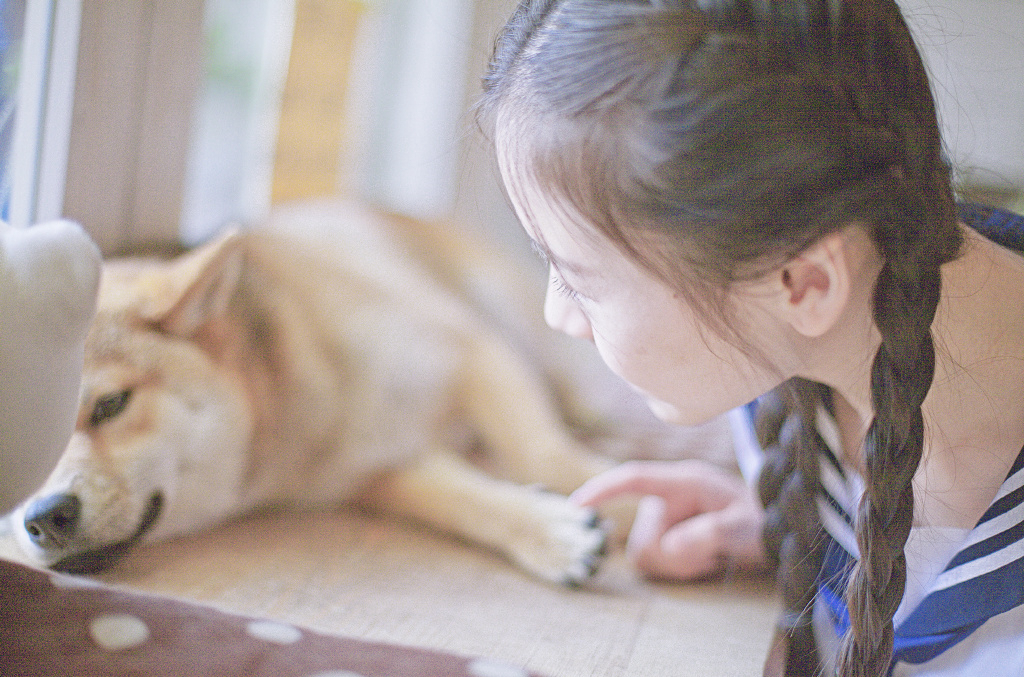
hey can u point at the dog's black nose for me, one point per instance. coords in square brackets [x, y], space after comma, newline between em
[52, 521]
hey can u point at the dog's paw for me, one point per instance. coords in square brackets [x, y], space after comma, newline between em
[562, 543]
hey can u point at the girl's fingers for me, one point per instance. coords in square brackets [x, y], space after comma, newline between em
[686, 550]
[622, 480]
[648, 527]
[665, 550]
[701, 545]
[692, 516]
[640, 478]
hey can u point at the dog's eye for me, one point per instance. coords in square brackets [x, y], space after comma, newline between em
[109, 406]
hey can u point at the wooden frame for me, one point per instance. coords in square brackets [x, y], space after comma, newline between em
[137, 80]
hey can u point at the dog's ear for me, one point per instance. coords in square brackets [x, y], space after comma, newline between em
[196, 287]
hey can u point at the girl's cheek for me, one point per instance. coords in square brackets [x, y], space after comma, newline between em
[634, 354]
[616, 357]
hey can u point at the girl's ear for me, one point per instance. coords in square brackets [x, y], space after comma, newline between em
[816, 286]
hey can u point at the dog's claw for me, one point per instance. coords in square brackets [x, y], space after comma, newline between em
[570, 545]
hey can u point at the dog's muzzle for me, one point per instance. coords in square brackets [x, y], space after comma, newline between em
[53, 524]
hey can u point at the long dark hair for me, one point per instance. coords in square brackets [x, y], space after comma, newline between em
[713, 140]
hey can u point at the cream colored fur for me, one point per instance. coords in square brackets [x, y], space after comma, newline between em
[331, 355]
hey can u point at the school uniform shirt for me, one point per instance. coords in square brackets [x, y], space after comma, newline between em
[962, 613]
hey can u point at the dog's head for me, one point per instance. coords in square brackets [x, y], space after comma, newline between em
[163, 421]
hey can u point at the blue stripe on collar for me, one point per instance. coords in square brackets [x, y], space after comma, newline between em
[999, 225]
[984, 578]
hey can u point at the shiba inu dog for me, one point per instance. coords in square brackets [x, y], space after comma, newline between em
[331, 355]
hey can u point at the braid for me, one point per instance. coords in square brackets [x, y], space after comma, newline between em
[788, 486]
[906, 295]
[919, 235]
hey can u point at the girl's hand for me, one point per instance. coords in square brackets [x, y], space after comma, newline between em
[694, 519]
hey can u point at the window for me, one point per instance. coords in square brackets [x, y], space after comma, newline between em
[231, 157]
[39, 42]
[12, 23]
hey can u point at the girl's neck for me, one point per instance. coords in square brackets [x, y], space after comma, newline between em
[974, 412]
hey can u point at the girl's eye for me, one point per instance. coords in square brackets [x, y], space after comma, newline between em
[565, 290]
[109, 406]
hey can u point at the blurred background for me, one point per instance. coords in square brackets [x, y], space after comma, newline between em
[165, 120]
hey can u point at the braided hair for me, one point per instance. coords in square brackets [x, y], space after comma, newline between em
[788, 485]
[714, 140]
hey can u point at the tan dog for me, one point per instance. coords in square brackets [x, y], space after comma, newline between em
[327, 357]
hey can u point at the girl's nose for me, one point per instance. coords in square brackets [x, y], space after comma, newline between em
[565, 315]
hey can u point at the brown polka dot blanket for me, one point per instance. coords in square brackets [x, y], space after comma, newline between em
[53, 624]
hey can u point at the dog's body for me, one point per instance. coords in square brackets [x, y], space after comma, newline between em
[317, 360]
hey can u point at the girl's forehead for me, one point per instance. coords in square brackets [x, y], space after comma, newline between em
[540, 205]
[551, 203]
[558, 231]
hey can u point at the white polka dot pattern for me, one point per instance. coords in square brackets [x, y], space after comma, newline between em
[54, 624]
[483, 667]
[278, 633]
[117, 632]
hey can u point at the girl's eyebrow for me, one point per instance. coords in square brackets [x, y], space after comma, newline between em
[540, 250]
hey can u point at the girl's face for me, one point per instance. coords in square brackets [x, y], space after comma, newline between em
[642, 328]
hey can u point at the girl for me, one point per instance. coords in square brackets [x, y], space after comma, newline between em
[745, 201]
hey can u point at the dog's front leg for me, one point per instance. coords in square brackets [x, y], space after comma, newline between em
[539, 530]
